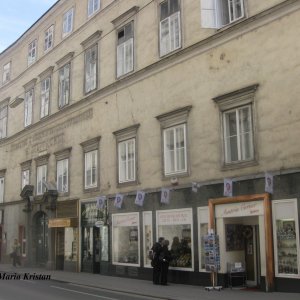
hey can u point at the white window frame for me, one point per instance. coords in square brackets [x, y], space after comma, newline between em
[6, 73]
[218, 13]
[90, 162]
[125, 48]
[2, 183]
[93, 6]
[68, 20]
[32, 52]
[241, 145]
[64, 81]
[126, 161]
[147, 237]
[168, 41]
[28, 107]
[203, 218]
[25, 177]
[3, 120]
[167, 169]
[41, 179]
[61, 167]
[45, 96]
[49, 35]
[91, 68]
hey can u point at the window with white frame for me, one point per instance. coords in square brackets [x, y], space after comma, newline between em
[91, 58]
[147, 236]
[62, 177]
[91, 169]
[1, 189]
[25, 177]
[6, 73]
[68, 22]
[45, 96]
[93, 6]
[28, 106]
[49, 38]
[125, 50]
[126, 151]
[169, 27]
[218, 13]
[32, 52]
[64, 85]
[41, 179]
[3, 120]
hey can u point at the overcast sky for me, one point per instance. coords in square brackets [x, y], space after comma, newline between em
[16, 16]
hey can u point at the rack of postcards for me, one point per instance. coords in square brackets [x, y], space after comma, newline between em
[212, 258]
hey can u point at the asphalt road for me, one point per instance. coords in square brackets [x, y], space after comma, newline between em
[54, 290]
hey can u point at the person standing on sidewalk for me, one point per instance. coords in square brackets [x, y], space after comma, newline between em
[165, 257]
[156, 264]
[16, 253]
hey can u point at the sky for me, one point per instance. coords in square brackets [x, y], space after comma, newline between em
[16, 16]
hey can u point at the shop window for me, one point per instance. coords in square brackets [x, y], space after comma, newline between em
[177, 226]
[126, 241]
[286, 238]
[71, 243]
[202, 230]
[22, 239]
[148, 236]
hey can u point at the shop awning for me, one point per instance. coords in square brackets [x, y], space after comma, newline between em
[63, 222]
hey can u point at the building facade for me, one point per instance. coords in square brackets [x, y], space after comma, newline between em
[122, 121]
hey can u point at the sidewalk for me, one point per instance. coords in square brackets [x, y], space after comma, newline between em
[146, 288]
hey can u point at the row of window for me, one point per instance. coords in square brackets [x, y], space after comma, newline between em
[238, 146]
[214, 14]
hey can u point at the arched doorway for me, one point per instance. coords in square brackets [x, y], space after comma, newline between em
[41, 238]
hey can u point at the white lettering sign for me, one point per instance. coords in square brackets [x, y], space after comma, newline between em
[241, 209]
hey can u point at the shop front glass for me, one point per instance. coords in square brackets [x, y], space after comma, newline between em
[125, 239]
[177, 226]
[203, 231]
[148, 236]
[71, 244]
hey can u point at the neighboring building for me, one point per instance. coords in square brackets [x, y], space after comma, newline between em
[120, 120]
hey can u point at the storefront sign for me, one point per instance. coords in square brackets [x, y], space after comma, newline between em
[99, 223]
[174, 217]
[63, 222]
[241, 209]
[125, 220]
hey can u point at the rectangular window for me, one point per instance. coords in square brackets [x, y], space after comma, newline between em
[126, 239]
[169, 28]
[91, 58]
[25, 177]
[62, 176]
[91, 169]
[6, 73]
[175, 158]
[64, 85]
[28, 103]
[126, 160]
[45, 96]
[176, 225]
[41, 179]
[68, 22]
[218, 13]
[125, 50]
[32, 52]
[1, 189]
[148, 236]
[3, 120]
[93, 6]
[238, 134]
[49, 38]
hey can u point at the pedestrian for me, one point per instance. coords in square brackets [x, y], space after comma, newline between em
[16, 253]
[155, 263]
[165, 257]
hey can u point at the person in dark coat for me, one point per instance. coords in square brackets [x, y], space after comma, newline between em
[165, 257]
[157, 248]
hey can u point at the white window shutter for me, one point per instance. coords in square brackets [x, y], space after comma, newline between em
[128, 48]
[164, 37]
[208, 14]
[120, 59]
[175, 33]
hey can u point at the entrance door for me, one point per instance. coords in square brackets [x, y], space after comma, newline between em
[60, 248]
[41, 239]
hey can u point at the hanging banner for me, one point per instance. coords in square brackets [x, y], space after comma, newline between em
[269, 183]
[100, 202]
[119, 200]
[165, 196]
[227, 187]
[194, 187]
[139, 199]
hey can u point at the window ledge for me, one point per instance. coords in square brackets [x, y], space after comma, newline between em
[238, 165]
[176, 175]
[91, 190]
[129, 183]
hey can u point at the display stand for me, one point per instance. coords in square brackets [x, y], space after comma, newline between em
[212, 259]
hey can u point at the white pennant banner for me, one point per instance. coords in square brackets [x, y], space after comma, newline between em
[119, 200]
[165, 196]
[139, 199]
[269, 183]
[227, 187]
[100, 202]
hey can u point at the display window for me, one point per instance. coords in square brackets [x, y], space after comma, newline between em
[176, 225]
[202, 231]
[125, 239]
[70, 248]
[286, 238]
[148, 236]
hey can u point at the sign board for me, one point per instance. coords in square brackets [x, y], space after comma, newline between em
[63, 222]
[99, 223]
[212, 252]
